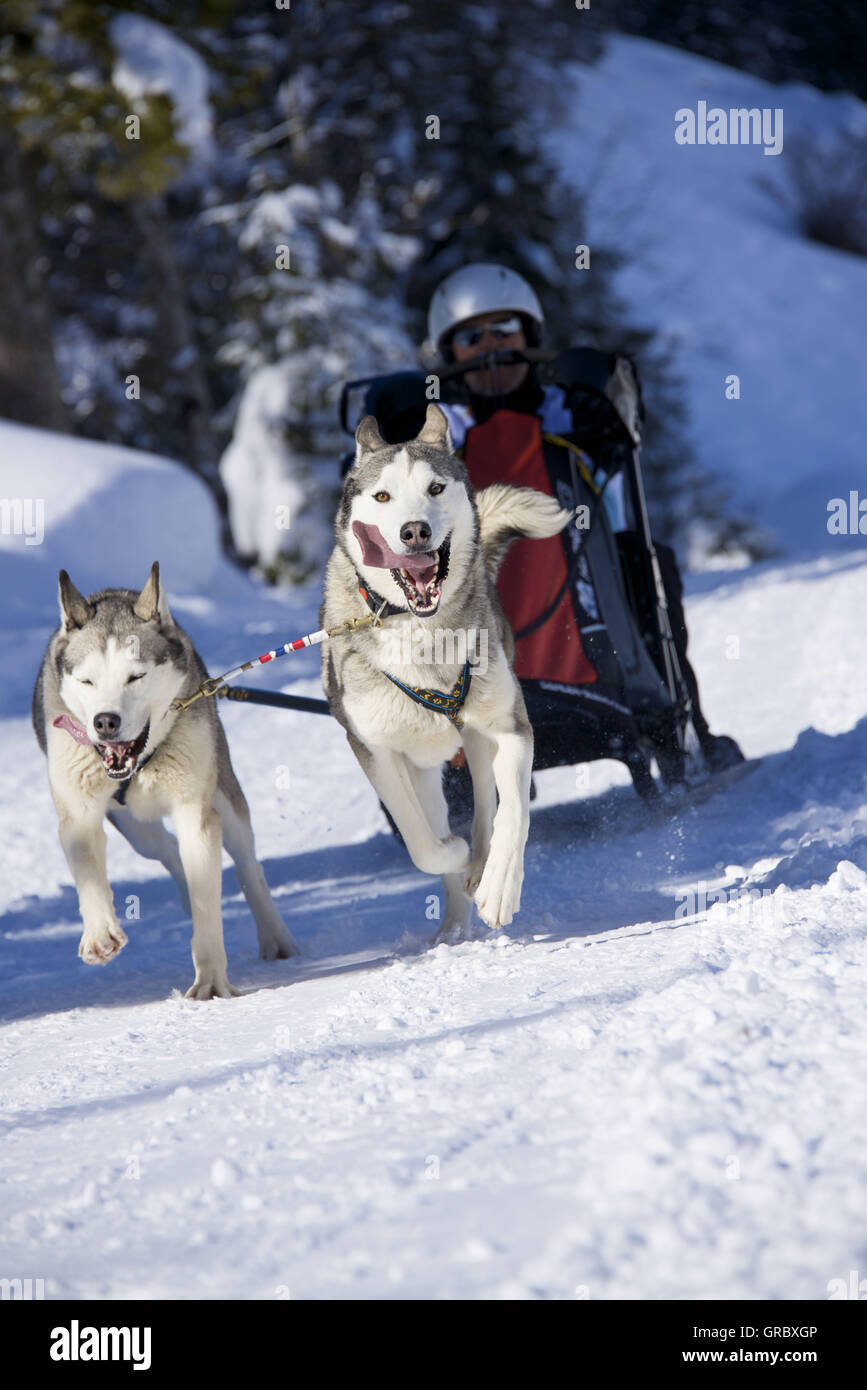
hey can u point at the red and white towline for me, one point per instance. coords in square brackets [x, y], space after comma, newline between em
[311, 639]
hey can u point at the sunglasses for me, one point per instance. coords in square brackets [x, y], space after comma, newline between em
[504, 328]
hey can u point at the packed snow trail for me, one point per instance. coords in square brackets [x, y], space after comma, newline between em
[652, 1084]
[629, 1093]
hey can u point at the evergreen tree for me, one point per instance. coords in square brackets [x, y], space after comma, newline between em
[101, 169]
[29, 385]
[355, 156]
[403, 143]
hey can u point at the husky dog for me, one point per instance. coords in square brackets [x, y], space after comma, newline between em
[415, 543]
[102, 713]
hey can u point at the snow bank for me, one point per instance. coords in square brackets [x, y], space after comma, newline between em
[719, 269]
[108, 513]
[105, 513]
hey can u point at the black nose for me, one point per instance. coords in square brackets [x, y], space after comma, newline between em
[415, 534]
[107, 723]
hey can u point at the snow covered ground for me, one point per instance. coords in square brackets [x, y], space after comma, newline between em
[650, 1086]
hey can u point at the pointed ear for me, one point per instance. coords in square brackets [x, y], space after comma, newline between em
[151, 604]
[435, 429]
[75, 610]
[367, 437]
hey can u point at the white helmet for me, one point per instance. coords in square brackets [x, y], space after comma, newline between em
[480, 288]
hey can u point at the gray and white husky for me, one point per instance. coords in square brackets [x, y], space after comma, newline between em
[102, 714]
[436, 672]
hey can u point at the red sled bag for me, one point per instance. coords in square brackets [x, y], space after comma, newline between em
[508, 448]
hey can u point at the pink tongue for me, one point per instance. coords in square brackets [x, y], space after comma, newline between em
[375, 551]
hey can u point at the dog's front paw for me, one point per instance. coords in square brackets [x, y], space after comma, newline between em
[100, 945]
[498, 895]
[278, 945]
[211, 984]
[456, 930]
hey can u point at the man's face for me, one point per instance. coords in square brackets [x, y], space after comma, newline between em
[503, 379]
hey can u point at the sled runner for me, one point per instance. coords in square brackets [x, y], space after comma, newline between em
[596, 653]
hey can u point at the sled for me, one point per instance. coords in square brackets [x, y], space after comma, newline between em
[697, 793]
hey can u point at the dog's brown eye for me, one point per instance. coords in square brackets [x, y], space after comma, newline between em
[82, 681]
[435, 489]
[139, 677]
[382, 496]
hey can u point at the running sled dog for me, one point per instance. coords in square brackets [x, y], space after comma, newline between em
[418, 547]
[116, 750]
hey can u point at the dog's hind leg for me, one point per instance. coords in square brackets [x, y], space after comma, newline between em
[458, 906]
[275, 940]
[389, 774]
[200, 843]
[151, 840]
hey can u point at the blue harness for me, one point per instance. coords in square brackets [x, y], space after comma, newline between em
[447, 704]
[441, 702]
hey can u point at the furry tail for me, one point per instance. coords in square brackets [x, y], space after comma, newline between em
[508, 512]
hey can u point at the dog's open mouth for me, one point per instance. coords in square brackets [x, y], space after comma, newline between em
[120, 759]
[422, 585]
